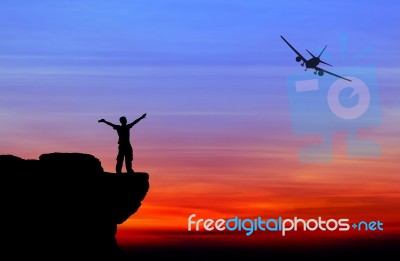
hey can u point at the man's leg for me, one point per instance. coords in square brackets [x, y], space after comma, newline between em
[128, 160]
[128, 164]
[120, 160]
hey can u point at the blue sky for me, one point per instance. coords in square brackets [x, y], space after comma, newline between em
[64, 64]
[189, 31]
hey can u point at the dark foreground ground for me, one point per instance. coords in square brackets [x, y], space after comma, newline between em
[384, 249]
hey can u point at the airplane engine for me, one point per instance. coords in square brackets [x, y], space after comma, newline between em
[298, 59]
[320, 73]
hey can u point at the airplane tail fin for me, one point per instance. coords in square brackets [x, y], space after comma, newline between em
[320, 56]
[325, 63]
[310, 53]
[322, 51]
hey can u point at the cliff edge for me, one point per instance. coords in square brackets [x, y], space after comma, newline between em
[65, 205]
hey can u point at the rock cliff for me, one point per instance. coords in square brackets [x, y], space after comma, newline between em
[65, 205]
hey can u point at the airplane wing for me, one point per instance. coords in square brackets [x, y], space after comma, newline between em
[301, 56]
[325, 71]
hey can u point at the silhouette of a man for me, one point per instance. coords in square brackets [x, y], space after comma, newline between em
[124, 147]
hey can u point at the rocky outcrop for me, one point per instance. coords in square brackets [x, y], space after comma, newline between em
[65, 205]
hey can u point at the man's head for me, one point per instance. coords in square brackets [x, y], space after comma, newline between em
[122, 120]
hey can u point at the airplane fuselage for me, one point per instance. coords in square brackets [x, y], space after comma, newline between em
[313, 62]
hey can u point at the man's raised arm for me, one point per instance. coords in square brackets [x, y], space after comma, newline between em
[137, 120]
[107, 122]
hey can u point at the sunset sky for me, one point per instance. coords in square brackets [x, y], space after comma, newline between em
[214, 78]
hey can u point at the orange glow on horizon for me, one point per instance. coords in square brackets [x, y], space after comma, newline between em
[250, 180]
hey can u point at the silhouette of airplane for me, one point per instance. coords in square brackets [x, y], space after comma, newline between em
[313, 62]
